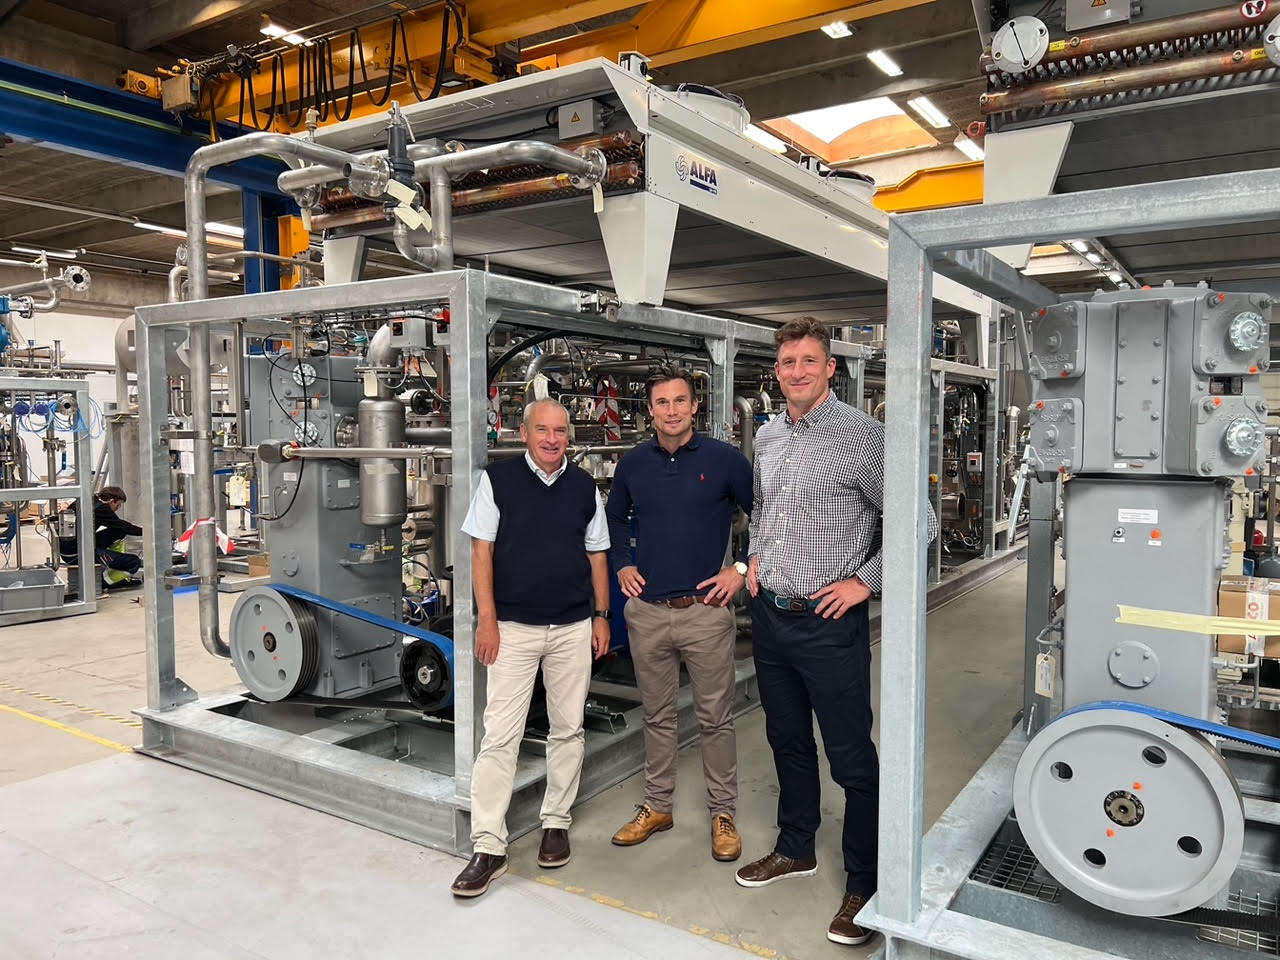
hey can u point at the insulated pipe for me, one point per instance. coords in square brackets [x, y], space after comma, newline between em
[204, 548]
[746, 427]
[1164, 30]
[292, 181]
[1122, 81]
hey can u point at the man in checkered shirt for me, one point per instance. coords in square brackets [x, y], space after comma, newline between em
[815, 561]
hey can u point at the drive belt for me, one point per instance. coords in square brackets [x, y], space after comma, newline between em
[1203, 916]
[346, 610]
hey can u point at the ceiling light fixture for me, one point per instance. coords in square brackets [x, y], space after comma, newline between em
[225, 229]
[55, 254]
[271, 29]
[1093, 258]
[1115, 276]
[837, 29]
[925, 107]
[885, 62]
[969, 148]
[765, 139]
[1079, 246]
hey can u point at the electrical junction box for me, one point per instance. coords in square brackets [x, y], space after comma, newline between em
[580, 119]
[179, 93]
[409, 333]
[1087, 14]
[974, 464]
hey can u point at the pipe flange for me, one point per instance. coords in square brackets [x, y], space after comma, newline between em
[599, 167]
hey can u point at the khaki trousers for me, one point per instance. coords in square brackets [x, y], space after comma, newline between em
[564, 653]
[704, 636]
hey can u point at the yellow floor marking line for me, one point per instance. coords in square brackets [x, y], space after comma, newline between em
[58, 701]
[705, 932]
[100, 741]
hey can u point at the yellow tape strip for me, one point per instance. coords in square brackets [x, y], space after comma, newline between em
[100, 741]
[101, 714]
[1195, 623]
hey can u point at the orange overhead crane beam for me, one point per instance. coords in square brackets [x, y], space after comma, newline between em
[955, 185]
[674, 31]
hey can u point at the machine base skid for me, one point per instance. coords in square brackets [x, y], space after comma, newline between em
[393, 777]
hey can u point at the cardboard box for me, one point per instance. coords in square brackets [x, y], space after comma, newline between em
[1252, 598]
[260, 566]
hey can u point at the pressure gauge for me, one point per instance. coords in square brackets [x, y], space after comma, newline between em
[306, 434]
[1020, 44]
[304, 374]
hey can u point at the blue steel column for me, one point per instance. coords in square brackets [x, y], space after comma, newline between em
[262, 215]
[906, 496]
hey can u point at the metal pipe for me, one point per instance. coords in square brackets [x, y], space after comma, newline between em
[428, 434]
[75, 277]
[746, 427]
[380, 353]
[204, 548]
[1128, 36]
[441, 220]
[4, 262]
[316, 175]
[589, 164]
[1121, 81]
[538, 363]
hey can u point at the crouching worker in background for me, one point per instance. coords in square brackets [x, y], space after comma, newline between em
[109, 531]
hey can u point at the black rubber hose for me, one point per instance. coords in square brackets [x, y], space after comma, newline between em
[520, 348]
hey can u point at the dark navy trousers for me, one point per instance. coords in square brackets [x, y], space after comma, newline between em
[807, 666]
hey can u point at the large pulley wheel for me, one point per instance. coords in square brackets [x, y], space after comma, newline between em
[273, 643]
[1128, 812]
[424, 671]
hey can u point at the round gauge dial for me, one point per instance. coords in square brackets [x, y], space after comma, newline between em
[306, 433]
[1020, 44]
[304, 374]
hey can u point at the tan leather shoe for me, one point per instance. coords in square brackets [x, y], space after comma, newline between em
[726, 845]
[773, 867]
[647, 821]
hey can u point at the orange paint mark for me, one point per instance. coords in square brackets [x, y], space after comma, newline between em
[1043, 311]
[1217, 401]
[1155, 534]
[1063, 373]
[1137, 784]
[1146, 286]
[1110, 832]
[1253, 369]
[1248, 471]
[1039, 404]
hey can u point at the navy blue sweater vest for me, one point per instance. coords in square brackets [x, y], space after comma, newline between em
[541, 575]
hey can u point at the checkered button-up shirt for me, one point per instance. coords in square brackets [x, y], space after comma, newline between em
[819, 491]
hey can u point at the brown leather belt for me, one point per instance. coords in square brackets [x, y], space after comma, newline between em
[681, 603]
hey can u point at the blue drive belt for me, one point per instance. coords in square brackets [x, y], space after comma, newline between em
[442, 642]
[1199, 916]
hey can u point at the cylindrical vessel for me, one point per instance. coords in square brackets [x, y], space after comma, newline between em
[383, 502]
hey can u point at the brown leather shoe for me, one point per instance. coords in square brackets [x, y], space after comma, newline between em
[843, 929]
[476, 876]
[647, 821]
[773, 867]
[726, 845]
[554, 850]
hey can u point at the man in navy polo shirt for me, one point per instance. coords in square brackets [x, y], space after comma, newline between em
[681, 490]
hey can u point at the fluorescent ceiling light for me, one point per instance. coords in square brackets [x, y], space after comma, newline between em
[765, 139]
[885, 62]
[1093, 258]
[1115, 276]
[270, 29]
[226, 229]
[969, 148]
[158, 228]
[932, 115]
[829, 122]
[1079, 246]
[55, 254]
[294, 38]
[837, 30]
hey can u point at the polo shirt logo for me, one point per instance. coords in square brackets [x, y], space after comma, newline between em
[702, 477]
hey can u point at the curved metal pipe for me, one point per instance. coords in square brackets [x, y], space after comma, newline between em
[590, 164]
[317, 175]
[380, 353]
[538, 363]
[746, 427]
[438, 256]
[204, 548]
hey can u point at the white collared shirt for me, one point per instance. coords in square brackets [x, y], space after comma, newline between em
[483, 514]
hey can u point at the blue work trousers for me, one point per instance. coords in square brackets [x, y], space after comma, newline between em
[807, 666]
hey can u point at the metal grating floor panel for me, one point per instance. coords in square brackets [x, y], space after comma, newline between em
[1262, 943]
[1010, 865]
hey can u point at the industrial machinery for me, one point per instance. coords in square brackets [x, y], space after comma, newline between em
[364, 410]
[1131, 811]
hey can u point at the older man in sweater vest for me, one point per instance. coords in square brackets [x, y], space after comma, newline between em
[539, 538]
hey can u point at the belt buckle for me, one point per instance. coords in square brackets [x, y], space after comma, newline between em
[796, 605]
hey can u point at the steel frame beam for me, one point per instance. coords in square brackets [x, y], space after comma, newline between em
[919, 878]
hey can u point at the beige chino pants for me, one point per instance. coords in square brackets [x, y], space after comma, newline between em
[564, 653]
[704, 636]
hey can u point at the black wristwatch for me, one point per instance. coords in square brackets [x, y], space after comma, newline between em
[602, 614]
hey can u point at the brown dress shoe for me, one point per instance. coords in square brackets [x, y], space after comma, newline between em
[476, 876]
[843, 929]
[554, 850]
[646, 821]
[773, 867]
[726, 845]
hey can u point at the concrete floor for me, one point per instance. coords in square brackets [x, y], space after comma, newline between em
[154, 856]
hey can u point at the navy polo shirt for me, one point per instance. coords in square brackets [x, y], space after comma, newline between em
[681, 505]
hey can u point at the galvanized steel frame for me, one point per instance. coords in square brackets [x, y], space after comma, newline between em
[919, 877]
[320, 774]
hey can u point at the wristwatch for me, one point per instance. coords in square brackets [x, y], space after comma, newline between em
[741, 568]
[602, 614]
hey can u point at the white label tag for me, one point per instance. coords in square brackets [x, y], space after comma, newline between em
[1117, 539]
[597, 198]
[1137, 516]
[290, 477]
[410, 216]
[401, 192]
[1155, 543]
[1120, 466]
[1046, 669]
[343, 484]
[1257, 606]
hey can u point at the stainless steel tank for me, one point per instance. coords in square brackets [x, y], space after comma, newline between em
[382, 482]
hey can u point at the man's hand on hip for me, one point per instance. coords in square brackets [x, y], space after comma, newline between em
[487, 641]
[840, 597]
[630, 581]
[600, 636]
[723, 586]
